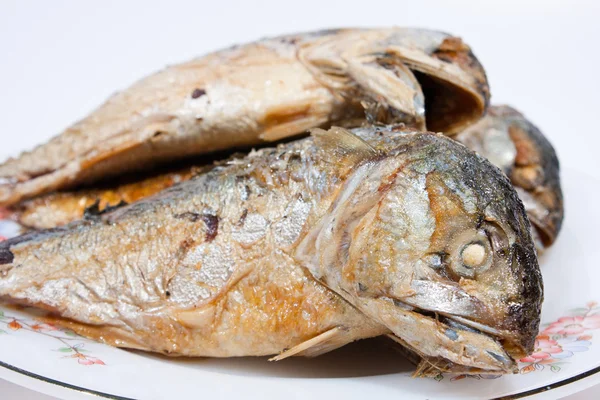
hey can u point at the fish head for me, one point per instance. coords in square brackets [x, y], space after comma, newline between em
[521, 151]
[434, 243]
[420, 77]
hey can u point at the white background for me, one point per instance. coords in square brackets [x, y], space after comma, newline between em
[60, 59]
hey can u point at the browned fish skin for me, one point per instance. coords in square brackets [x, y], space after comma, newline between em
[520, 149]
[56, 209]
[257, 92]
[233, 261]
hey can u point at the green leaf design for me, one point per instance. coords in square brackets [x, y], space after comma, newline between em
[65, 350]
[580, 310]
[71, 333]
[1, 314]
[554, 368]
[83, 350]
[438, 377]
[2, 332]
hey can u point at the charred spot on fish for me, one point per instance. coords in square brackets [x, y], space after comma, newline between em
[212, 226]
[189, 216]
[158, 135]
[243, 217]
[198, 93]
[168, 294]
[525, 309]
[361, 287]
[93, 212]
[294, 157]
[6, 256]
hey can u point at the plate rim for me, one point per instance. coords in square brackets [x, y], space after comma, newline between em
[64, 385]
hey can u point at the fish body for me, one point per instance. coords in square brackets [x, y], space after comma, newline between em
[299, 249]
[506, 138]
[262, 91]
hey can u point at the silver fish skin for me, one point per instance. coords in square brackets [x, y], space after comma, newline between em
[262, 91]
[300, 249]
[518, 147]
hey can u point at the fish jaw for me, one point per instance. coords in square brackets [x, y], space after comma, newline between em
[433, 229]
[431, 338]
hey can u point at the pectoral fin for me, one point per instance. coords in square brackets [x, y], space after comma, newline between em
[391, 91]
[343, 145]
[325, 342]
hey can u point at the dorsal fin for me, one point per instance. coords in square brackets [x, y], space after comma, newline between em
[343, 145]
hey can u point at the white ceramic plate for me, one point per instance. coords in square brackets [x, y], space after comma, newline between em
[567, 359]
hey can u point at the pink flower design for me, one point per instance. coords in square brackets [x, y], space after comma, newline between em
[86, 360]
[4, 213]
[548, 351]
[570, 326]
[545, 348]
[2, 238]
[44, 327]
[90, 361]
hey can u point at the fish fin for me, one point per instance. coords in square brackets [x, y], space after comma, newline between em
[320, 344]
[388, 91]
[343, 144]
[292, 128]
[110, 335]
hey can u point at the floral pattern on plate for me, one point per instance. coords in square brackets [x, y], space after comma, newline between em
[562, 339]
[555, 343]
[72, 345]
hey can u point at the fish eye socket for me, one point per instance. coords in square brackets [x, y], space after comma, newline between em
[497, 236]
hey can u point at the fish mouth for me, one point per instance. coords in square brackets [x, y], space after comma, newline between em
[474, 347]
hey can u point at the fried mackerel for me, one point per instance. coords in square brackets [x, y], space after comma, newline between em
[258, 92]
[300, 249]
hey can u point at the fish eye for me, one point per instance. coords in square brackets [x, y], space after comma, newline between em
[471, 254]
